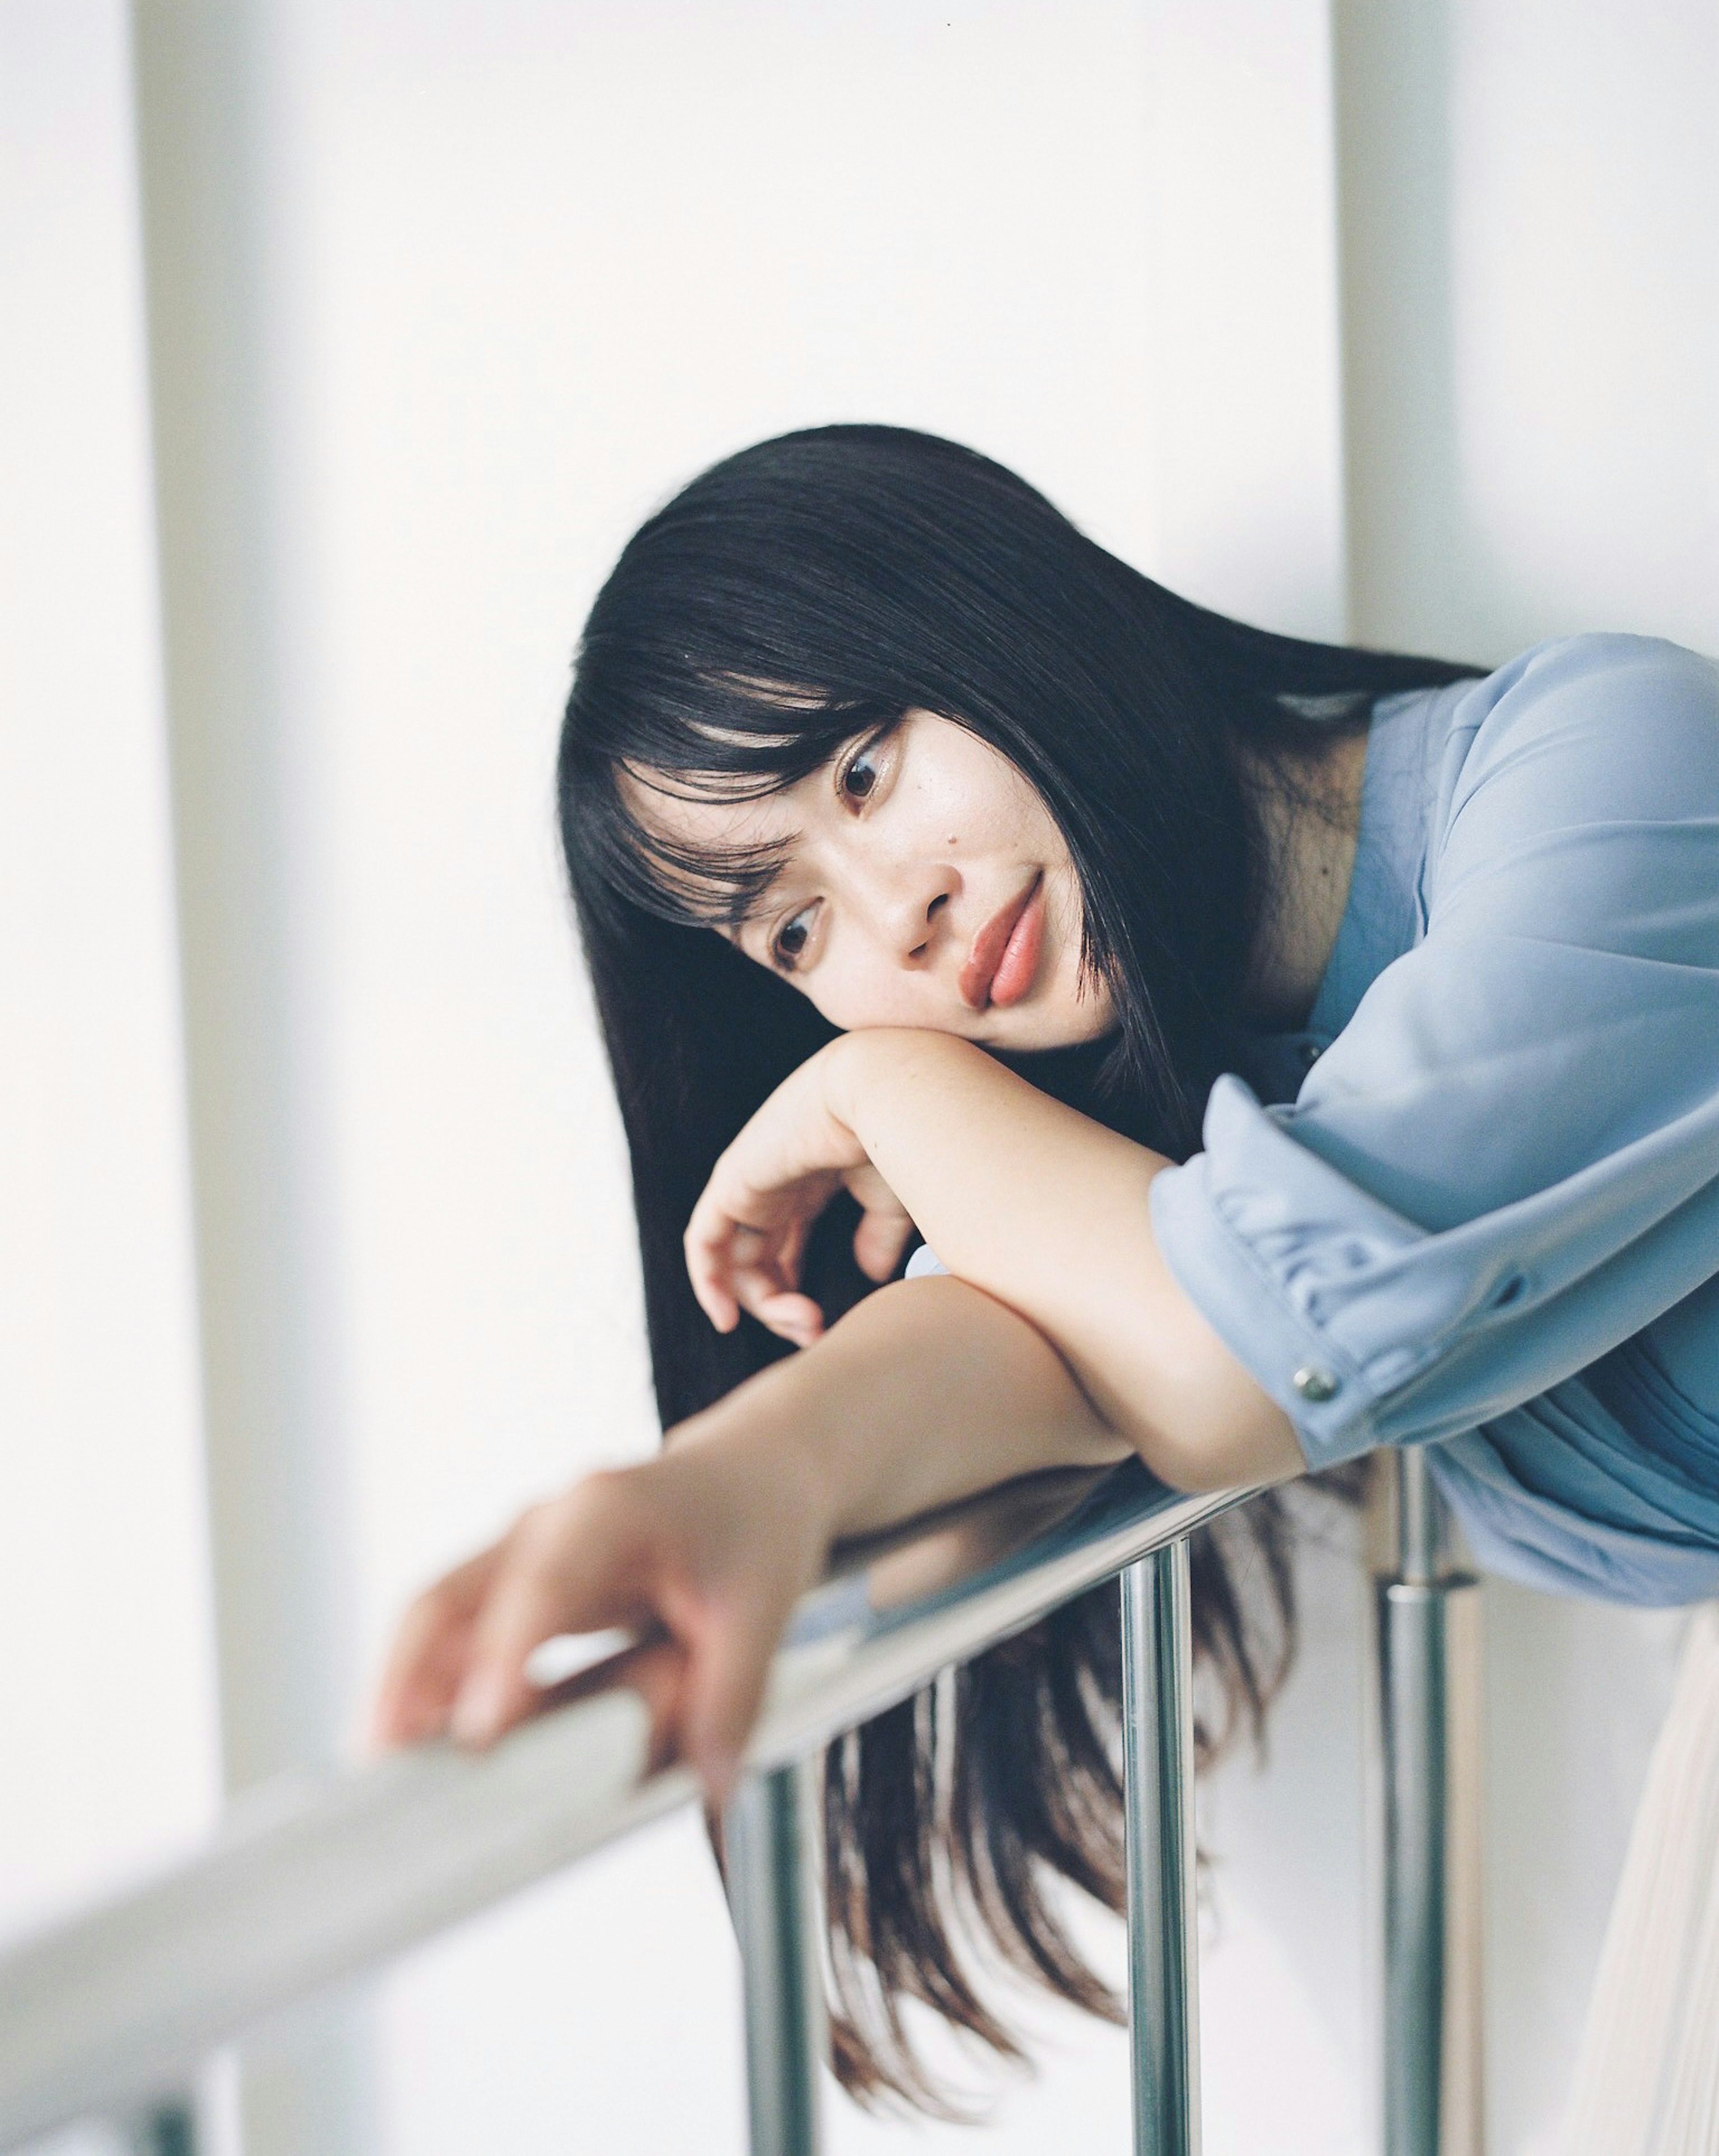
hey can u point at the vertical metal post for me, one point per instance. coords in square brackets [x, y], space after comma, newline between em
[770, 1841]
[1163, 1948]
[168, 2128]
[1428, 1834]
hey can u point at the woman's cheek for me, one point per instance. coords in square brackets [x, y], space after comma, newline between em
[850, 1012]
[856, 1000]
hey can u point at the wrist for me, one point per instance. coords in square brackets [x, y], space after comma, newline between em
[841, 1074]
[763, 1430]
[864, 1066]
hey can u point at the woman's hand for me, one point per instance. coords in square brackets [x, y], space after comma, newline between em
[747, 1238]
[712, 1543]
[925, 1392]
[1020, 1196]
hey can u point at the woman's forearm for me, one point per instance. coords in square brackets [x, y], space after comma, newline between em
[1048, 1212]
[927, 1391]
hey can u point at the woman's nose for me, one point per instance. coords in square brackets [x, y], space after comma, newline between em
[915, 914]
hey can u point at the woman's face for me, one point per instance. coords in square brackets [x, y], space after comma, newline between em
[923, 883]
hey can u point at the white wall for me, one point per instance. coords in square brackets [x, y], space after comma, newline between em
[106, 1684]
[1533, 320]
[442, 298]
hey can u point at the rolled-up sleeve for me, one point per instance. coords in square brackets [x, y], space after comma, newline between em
[1506, 1164]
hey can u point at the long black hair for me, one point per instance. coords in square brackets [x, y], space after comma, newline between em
[790, 599]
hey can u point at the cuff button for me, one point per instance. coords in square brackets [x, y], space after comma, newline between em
[1316, 1384]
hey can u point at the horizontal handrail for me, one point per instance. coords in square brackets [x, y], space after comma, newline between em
[311, 1880]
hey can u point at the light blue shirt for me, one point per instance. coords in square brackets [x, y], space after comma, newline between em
[1483, 1213]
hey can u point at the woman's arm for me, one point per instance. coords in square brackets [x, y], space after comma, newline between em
[926, 1391]
[1018, 1195]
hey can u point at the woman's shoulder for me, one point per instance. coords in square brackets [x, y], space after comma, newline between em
[1584, 729]
[1605, 675]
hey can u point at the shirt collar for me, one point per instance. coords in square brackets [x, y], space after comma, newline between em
[1381, 916]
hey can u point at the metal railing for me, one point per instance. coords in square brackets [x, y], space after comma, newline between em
[312, 1881]
[1426, 1814]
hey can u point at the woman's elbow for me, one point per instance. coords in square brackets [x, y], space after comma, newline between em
[1227, 1444]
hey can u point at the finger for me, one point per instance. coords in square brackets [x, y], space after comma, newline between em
[725, 1688]
[418, 1706]
[879, 1242]
[658, 1674]
[788, 1315]
[708, 1245]
[765, 1280]
[537, 1593]
[779, 1251]
[427, 1660]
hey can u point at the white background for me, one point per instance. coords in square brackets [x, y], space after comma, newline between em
[313, 448]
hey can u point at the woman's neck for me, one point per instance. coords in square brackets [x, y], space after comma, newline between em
[1310, 816]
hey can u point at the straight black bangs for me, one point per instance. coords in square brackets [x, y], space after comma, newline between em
[734, 739]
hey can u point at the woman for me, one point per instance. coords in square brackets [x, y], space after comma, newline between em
[936, 870]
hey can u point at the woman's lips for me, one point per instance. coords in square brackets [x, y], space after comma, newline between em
[1005, 953]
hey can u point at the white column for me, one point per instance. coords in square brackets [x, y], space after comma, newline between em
[223, 330]
[109, 1757]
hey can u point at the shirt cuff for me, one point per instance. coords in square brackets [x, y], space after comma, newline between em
[1285, 1258]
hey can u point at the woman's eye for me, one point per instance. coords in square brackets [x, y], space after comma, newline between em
[859, 775]
[791, 939]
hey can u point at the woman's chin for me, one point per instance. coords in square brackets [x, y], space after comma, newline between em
[1035, 1025]
[1038, 1032]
